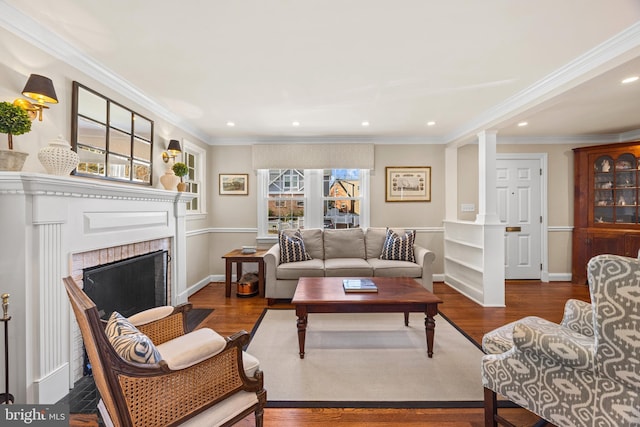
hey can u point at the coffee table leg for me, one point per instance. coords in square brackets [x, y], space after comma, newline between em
[302, 329]
[430, 326]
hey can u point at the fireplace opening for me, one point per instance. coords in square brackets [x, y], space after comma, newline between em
[128, 286]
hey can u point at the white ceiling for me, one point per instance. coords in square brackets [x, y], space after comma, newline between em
[332, 64]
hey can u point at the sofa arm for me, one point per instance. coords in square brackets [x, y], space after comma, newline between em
[424, 258]
[543, 338]
[578, 316]
[271, 262]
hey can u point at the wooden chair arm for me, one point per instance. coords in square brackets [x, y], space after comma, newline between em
[156, 395]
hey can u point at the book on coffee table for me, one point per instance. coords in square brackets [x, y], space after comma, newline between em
[359, 285]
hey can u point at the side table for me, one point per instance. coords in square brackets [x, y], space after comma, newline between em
[238, 257]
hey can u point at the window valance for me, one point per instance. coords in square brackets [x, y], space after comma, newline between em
[313, 156]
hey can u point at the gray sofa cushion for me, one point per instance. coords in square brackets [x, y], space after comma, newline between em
[312, 238]
[295, 270]
[374, 239]
[386, 268]
[347, 267]
[344, 243]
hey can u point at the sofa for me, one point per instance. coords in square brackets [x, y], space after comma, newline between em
[351, 252]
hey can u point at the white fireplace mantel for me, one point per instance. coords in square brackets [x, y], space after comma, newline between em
[44, 221]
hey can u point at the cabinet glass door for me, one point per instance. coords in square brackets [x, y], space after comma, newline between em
[616, 189]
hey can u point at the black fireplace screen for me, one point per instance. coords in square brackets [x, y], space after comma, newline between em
[128, 286]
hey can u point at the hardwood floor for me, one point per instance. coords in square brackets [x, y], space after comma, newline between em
[524, 298]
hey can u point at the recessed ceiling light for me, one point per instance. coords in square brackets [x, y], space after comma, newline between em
[295, 124]
[365, 123]
[231, 124]
[522, 124]
[630, 79]
[431, 123]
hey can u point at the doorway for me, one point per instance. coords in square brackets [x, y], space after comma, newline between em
[521, 189]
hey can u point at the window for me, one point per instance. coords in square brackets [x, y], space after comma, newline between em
[195, 159]
[312, 198]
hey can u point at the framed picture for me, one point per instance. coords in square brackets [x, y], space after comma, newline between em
[408, 184]
[234, 184]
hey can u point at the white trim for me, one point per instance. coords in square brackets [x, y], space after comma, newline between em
[559, 228]
[200, 155]
[609, 54]
[17, 22]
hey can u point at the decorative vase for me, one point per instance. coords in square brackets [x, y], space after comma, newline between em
[58, 158]
[169, 180]
[12, 160]
[182, 186]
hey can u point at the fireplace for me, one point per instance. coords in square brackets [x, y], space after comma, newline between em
[128, 286]
[58, 227]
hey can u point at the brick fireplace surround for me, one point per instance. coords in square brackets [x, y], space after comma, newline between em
[52, 227]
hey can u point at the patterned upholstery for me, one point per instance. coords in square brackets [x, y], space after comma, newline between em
[583, 372]
[292, 247]
[398, 247]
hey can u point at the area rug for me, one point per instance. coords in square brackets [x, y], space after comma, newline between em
[365, 360]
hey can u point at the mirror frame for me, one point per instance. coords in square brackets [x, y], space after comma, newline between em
[109, 127]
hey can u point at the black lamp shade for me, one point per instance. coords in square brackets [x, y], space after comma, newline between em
[41, 89]
[174, 145]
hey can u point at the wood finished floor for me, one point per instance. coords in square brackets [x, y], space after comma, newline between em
[523, 298]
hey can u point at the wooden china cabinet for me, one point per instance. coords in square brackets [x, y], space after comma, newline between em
[607, 203]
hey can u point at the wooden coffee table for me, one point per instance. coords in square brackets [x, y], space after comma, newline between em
[395, 295]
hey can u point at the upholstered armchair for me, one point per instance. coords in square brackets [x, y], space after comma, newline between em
[584, 371]
[150, 372]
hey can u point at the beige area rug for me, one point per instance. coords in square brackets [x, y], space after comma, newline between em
[365, 360]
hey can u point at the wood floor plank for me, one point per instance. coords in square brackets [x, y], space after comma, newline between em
[523, 298]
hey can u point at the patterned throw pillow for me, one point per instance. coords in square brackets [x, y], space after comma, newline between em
[292, 247]
[397, 247]
[129, 342]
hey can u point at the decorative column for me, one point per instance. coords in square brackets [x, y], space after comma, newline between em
[487, 193]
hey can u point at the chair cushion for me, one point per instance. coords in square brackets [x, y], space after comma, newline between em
[189, 349]
[292, 247]
[399, 247]
[250, 363]
[150, 315]
[129, 342]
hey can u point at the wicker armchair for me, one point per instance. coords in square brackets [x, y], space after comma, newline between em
[214, 389]
[582, 372]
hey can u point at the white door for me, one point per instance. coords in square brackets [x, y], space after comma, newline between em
[519, 209]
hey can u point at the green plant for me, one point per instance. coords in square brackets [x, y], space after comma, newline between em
[13, 121]
[180, 169]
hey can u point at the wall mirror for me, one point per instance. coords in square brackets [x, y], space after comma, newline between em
[112, 141]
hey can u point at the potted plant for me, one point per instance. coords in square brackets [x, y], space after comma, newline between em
[13, 121]
[180, 169]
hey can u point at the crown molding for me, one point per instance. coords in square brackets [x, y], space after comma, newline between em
[327, 139]
[34, 33]
[609, 54]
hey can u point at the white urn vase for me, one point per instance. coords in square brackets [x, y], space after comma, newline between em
[58, 158]
[169, 180]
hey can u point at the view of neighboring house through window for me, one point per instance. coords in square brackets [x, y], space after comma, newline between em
[341, 194]
[194, 158]
[313, 198]
[285, 199]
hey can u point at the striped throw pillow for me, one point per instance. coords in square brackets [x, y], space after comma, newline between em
[129, 342]
[397, 247]
[292, 247]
